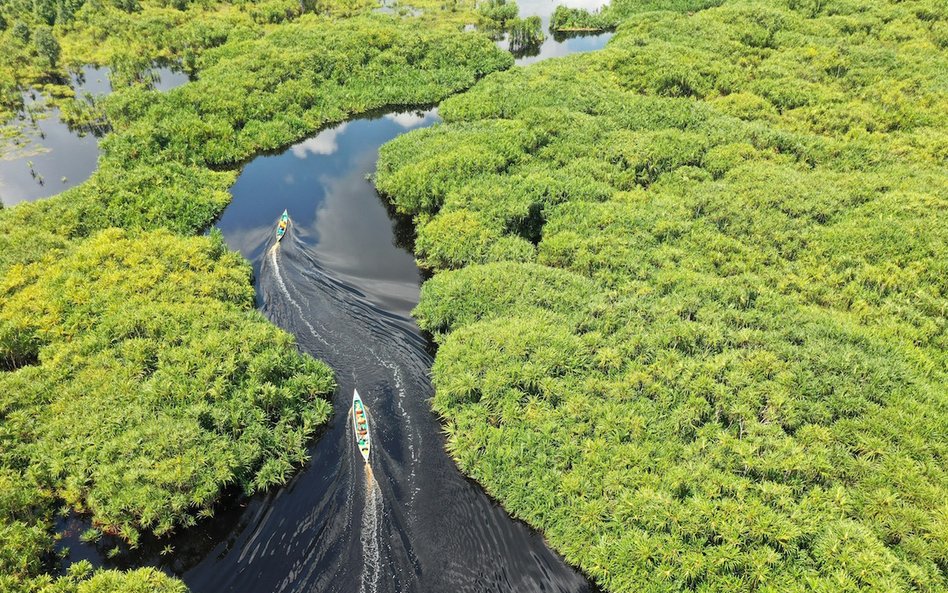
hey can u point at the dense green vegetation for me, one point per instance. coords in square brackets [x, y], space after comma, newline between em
[690, 294]
[137, 383]
[130, 342]
[578, 19]
[611, 14]
[43, 40]
[525, 33]
[497, 11]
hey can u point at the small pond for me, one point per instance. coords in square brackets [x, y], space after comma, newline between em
[51, 156]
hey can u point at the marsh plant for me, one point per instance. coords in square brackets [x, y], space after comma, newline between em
[689, 293]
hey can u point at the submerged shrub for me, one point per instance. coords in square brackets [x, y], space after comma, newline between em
[498, 11]
[580, 19]
[525, 33]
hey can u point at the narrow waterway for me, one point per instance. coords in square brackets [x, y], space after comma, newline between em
[344, 282]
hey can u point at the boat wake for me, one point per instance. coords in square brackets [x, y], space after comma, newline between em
[274, 260]
[411, 522]
[371, 518]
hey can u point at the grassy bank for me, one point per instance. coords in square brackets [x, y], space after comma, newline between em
[137, 380]
[690, 296]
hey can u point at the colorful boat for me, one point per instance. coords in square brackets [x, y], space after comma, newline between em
[284, 222]
[360, 422]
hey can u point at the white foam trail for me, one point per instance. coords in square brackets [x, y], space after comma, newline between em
[286, 292]
[371, 518]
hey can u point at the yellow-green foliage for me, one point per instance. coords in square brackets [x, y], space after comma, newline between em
[135, 380]
[263, 93]
[612, 13]
[80, 578]
[130, 35]
[140, 382]
[721, 363]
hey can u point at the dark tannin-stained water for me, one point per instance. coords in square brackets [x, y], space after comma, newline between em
[52, 157]
[344, 285]
[343, 281]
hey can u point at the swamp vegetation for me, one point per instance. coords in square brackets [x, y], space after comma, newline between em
[136, 381]
[689, 291]
[690, 294]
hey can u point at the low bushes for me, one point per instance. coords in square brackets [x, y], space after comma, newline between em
[722, 366]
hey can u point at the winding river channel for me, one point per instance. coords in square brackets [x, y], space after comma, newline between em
[344, 282]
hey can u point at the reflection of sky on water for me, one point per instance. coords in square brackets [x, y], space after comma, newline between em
[408, 119]
[56, 152]
[333, 208]
[91, 79]
[322, 143]
[551, 48]
[96, 80]
[69, 158]
[572, 45]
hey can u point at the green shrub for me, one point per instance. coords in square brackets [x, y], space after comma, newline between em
[724, 370]
[580, 19]
[482, 292]
[498, 11]
[133, 340]
[525, 33]
[82, 579]
[46, 45]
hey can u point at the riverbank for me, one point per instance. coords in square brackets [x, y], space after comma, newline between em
[167, 388]
[688, 294]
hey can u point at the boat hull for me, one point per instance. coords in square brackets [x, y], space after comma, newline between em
[283, 224]
[360, 425]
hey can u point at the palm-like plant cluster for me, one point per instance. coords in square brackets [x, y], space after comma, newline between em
[690, 296]
[136, 380]
[145, 385]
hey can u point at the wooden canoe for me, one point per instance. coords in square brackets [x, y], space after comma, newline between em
[281, 227]
[360, 422]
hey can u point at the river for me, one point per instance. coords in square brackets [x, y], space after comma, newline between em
[344, 282]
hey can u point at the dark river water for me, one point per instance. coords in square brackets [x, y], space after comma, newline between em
[343, 281]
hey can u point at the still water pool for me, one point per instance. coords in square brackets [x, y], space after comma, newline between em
[51, 156]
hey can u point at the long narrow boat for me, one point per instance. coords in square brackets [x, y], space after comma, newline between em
[360, 422]
[281, 228]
